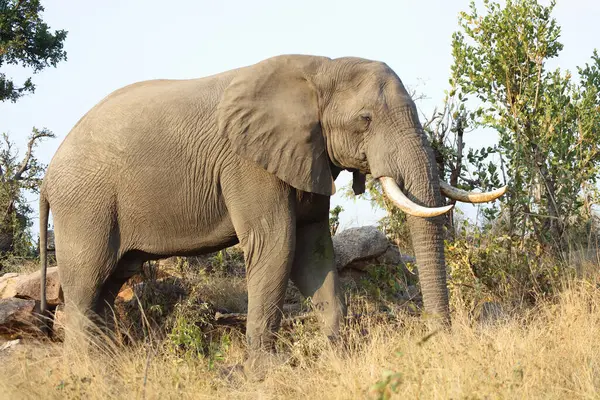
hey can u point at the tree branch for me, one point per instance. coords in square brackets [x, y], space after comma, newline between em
[24, 166]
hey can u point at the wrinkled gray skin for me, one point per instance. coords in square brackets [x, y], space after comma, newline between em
[184, 167]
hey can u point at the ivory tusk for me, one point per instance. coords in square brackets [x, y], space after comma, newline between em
[470, 197]
[391, 189]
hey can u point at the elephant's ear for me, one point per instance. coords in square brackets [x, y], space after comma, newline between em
[358, 182]
[269, 112]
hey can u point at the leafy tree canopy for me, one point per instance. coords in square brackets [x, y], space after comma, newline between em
[26, 40]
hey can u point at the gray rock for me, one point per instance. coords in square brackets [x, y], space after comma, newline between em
[8, 285]
[356, 244]
[28, 286]
[16, 315]
[392, 256]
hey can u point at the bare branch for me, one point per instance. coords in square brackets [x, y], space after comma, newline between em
[239, 319]
[472, 182]
[429, 121]
[24, 166]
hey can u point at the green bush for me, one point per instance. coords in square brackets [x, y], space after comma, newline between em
[483, 266]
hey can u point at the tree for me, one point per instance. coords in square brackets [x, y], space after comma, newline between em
[17, 176]
[27, 41]
[334, 219]
[446, 129]
[547, 121]
[548, 125]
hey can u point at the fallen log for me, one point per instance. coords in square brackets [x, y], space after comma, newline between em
[240, 319]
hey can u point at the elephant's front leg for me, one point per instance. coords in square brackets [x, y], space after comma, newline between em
[265, 223]
[269, 252]
[315, 275]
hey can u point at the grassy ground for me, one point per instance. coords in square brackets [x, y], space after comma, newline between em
[550, 350]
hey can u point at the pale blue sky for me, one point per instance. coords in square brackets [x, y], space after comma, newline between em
[114, 43]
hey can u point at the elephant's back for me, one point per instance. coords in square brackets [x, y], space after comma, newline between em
[150, 105]
[147, 114]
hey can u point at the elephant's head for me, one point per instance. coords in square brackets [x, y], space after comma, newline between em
[297, 116]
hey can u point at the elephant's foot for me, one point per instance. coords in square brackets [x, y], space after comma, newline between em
[260, 363]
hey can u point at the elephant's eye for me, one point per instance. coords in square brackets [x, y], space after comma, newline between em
[361, 124]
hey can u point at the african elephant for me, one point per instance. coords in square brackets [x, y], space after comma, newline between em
[184, 167]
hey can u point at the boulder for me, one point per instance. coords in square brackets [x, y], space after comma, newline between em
[28, 286]
[7, 285]
[16, 315]
[358, 244]
[126, 295]
[358, 249]
[392, 256]
[169, 287]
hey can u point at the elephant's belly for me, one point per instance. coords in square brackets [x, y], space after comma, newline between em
[175, 229]
[184, 242]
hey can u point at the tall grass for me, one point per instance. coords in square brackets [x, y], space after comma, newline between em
[550, 350]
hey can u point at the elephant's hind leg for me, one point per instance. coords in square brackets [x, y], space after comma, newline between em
[315, 275]
[81, 291]
[84, 266]
[128, 266]
[108, 318]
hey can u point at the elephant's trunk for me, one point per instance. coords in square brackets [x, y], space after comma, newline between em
[426, 230]
[412, 165]
[428, 244]
[422, 184]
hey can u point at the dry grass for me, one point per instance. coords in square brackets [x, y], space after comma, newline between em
[551, 351]
[20, 265]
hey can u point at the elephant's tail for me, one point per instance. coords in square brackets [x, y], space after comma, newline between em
[44, 211]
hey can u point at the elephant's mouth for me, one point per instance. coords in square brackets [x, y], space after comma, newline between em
[395, 194]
